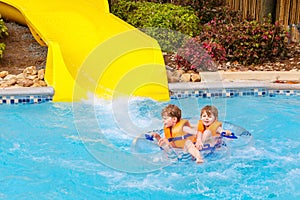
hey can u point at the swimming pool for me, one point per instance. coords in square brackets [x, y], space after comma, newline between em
[65, 151]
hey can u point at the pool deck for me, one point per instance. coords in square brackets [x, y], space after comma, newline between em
[210, 81]
[27, 91]
[249, 79]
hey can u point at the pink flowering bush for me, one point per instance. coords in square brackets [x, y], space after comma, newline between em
[248, 41]
[244, 41]
[200, 56]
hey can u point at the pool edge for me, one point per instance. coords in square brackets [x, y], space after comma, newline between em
[27, 91]
[213, 84]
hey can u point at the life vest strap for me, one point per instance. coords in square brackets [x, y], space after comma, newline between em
[180, 138]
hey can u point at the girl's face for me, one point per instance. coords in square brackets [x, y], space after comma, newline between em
[169, 121]
[207, 120]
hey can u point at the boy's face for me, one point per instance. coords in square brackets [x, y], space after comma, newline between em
[169, 121]
[206, 119]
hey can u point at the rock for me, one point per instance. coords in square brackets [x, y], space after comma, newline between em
[3, 74]
[30, 70]
[31, 77]
[4, 85]
[178, 73]
[186, 77]
[195, 77]
[173, 79]
[20, 76]
[15, 86]
[41, 74]
[11, 81]
[39, 83]
[10, 76]
[25, 82]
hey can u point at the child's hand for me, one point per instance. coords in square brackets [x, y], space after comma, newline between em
[199, 145]
[228, 132]
[163, 141]
[156, 136]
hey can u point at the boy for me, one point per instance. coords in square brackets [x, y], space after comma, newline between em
[178, 132]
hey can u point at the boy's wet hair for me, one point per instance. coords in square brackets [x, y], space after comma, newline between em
[210, 110]
[172, 111]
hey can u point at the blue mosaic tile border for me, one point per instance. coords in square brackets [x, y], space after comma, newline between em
[29, 99]
[227, 93]
[175, 94]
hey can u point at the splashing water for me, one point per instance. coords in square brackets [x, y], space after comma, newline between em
[82, 151]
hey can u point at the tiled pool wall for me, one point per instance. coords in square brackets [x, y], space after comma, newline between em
[30, 99]
[175, 94]
[238, 92]
[26, 95]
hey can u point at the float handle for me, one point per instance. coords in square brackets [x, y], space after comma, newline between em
[149, 137]
[232, 136]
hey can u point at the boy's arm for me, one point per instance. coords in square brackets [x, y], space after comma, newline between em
[160, 140]
[194, 131]
[188, 129]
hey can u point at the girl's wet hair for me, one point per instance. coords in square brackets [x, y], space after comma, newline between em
[172, 111]
[209, 110]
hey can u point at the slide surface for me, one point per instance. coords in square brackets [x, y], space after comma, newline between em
[90, 51]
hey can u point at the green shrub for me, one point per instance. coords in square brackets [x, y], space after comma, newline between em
[161, 21]
[2, 48]
[3, 32]
[204, 9]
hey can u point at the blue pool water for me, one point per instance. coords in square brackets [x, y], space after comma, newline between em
[83, 151]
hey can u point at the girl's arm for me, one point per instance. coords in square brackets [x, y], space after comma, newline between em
[199, 143]
[206, 134]
[194, 131]
[227, 132]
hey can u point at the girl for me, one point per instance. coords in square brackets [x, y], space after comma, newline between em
[209, 128]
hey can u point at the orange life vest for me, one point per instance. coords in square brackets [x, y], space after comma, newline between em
[177, 136]
[213, 127]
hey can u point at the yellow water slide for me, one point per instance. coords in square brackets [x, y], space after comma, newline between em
[91, 51]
